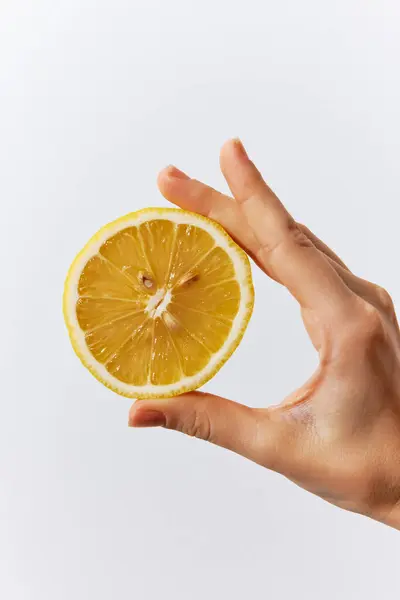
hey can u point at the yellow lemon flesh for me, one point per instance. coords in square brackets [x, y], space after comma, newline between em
[157, 301]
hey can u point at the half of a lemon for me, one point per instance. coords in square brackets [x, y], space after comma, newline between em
[157, 301]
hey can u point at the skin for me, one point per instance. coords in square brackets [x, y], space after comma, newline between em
[337, 436]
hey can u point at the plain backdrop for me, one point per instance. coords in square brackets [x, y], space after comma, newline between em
[95, 98]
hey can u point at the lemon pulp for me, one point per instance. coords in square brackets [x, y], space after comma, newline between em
[156, 301]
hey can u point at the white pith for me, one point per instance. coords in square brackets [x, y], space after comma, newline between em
[158, 303]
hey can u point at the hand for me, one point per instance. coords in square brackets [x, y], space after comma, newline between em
[337, 436]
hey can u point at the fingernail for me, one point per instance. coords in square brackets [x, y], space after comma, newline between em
[147, 418]
[175, 173]
[239, 148]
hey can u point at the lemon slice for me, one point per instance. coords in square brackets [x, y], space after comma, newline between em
[157, 301]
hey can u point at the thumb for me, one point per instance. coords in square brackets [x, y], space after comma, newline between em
[251, 432]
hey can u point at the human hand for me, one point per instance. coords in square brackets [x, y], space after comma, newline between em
[338, 435]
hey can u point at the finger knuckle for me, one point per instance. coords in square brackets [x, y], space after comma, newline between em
[298, 235]
[290, 234]
[198, 424]
[384, 298]
[303, 229]
[369, 324]
[363, 327]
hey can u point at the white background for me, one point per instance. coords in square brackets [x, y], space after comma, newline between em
[95, 98]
